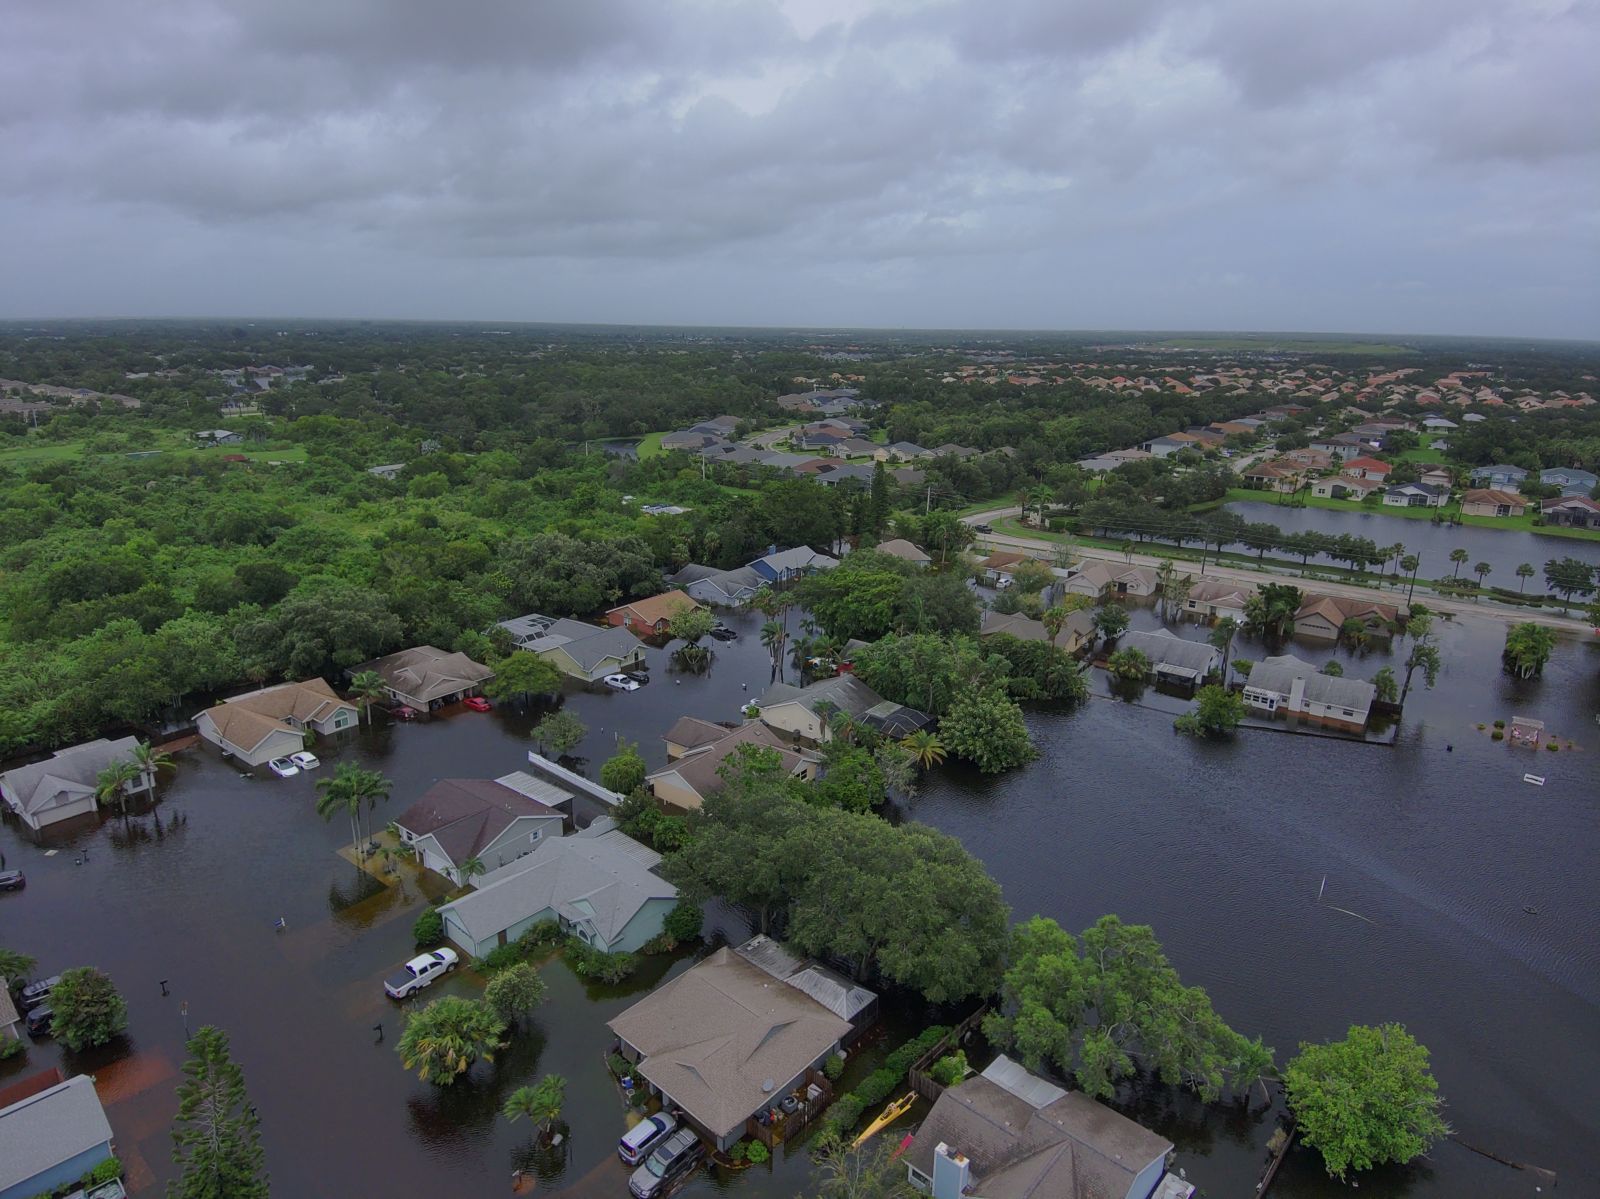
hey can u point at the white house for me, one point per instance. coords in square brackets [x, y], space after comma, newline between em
[494, 823]
[272, 722]
[1292, 686]
[64, 784]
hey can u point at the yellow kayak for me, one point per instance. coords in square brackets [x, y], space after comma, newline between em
[888, 1116]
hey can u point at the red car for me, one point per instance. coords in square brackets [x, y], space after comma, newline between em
[401, 712]
[477, 703]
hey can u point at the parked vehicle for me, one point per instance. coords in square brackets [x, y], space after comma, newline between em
[620, 682]
[38, 1021]
[420, 972]
[477, 703]
[401, 712]
[723, 633]
[283, 767]
[12, 880]
[638, 676]
[305, 760]
[982, 529]
[670, 1161]
[644, 1136]
[35, 993]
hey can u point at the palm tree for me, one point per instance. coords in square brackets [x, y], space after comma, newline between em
[1459, 558]
[473, 867]
[1409, 565]
[1038, 498]
[1480, 570]
[1221, 637]
[149, 759]
[1524, 573]
[541, 1102]
[1054, 620]
[366, 686]
[112, 783]
[350, 789]
[924, 747]
[773, 637]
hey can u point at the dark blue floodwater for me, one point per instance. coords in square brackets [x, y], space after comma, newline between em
[1220, 847]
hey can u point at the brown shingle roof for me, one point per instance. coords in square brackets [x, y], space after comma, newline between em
[248, 720]
[464, 815]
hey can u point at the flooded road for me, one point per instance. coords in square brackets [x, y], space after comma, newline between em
[1220, 847]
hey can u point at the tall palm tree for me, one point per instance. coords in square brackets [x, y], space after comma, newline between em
[149, 759]
[366, 686]
[1221, 637]
[924, 747]
[112, 783]
[1524, 573]
[1458, 558]
[351, 788]
[773, 637]
[473, 867]
[541, 1102]
[1480, 570]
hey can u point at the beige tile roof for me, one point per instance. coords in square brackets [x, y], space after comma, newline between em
[248, 720]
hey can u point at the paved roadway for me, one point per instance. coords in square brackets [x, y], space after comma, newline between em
[1437, 603]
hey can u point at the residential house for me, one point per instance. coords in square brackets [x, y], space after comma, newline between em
[52, 1138]
[721, 426]
[718, 588]
[1367, 468]
[1438, 424]
[895, 721]
[793, 710]
[258, 726]
[1293, 687]
[689, 733]
[461, 820]
[599, 884]
[724, 1041]
[1571, 480]
[908, 476]
[692, 440]
[846, 999]
[901, 451]
[687, 780]
[785, 566]
[1280, 475]
[1343, 446]
[1076, 631]
[1416, 495]
[1217, 598]
[1325, 615]
[855, 447]
[390, 471]
[851, 472]
[1440, 476]
[899, 547]
[1571, 511]
[1309, 458]
[425, 677]
[1171, 443]
[1009, 1134]
[1507, 478]
[218, 437]
[650, 617]
[1097, 577]
[779, 460]
[822, 440]
[951, 450]
[585, 651]
[1173, 659]
[999, 568]
[1491, 501]
[1345, 487]
[63, 785]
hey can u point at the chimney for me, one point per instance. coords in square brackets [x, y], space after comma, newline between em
[951, 1173]
[1297, 694]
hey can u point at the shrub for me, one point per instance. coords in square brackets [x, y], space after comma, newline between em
[589, 962]
[1551, 746]
[514, 992]
[9, 1047]
[1499, 724]
[1498, 735]
[738, 1152]
[1480, 724]
[842, 1116]
[501, 957]
[428, 931]
[684, 922]
[758, 1153]
[620, 1066]
[545, 934]
[950, 1069]
[88, 1009]
[832, 1068]
[877, 1086]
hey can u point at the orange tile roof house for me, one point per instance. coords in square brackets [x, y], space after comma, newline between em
[650, 617]
[1367, 468]
[1490, 501]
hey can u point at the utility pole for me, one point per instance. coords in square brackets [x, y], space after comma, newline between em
[927, 505]
[1412, 589]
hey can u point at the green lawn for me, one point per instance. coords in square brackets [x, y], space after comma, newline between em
[650, 446]
[1422, 455]
[27, 455]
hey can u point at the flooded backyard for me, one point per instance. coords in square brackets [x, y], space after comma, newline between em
[1221, 847]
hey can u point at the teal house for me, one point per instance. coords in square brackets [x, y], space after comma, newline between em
[51, 1138]
[600, 885]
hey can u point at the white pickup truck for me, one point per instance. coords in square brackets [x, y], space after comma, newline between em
[420, 972]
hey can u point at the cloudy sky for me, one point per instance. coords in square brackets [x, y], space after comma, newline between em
[1361, 165]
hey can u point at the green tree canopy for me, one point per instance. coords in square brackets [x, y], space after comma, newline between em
[624, 770]
[444, 1039]
[216, 1135]
[1218, 711]
[1366, 1100]
[88, 1009]
[522, 673]
[1528, 647]
[515, 992]
[985, 726]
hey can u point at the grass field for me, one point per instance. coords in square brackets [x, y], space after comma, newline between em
[37, 450]
[650, 446]
[1422, 455]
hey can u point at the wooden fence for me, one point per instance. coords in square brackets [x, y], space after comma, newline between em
[923, 1083]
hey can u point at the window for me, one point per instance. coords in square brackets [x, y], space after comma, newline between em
[536, 834]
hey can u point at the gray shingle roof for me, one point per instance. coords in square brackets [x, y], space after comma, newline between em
[597, 879]
[66, 775]
[47, 1129]
[1165, 649]
[844, 691]
[1277, 674]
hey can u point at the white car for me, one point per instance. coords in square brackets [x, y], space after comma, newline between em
[305, 760]
[420, 972]
[283, 767]
[620, 682]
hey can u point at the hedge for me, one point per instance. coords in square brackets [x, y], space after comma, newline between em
[881, 1083]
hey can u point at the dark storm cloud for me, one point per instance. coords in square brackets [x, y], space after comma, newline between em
[1091, 162]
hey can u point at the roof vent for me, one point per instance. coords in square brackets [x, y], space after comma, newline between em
[766, 1085]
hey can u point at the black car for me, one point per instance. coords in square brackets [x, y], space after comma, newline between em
[672, 1159]
[638, 676]
[12, 880]
[35, 993]
[723, 633]
[38, 1021]
[982, 529]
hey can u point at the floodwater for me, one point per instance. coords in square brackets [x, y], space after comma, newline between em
[1502, 549]
[1220, 846]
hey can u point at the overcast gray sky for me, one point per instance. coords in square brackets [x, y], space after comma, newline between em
[1366, 165]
